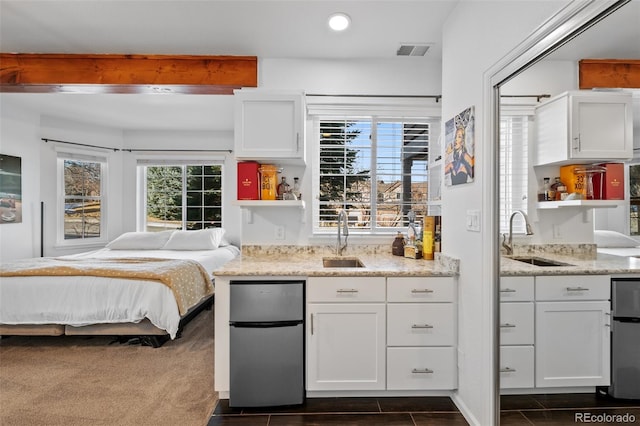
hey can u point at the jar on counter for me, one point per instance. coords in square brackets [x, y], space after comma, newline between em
[397, 247]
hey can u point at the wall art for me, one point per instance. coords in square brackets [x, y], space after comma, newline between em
[10, 189]
[459, 148]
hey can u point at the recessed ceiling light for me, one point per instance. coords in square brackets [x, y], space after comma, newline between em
[339, 21]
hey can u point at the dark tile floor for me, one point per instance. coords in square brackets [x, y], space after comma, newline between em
[559, 409]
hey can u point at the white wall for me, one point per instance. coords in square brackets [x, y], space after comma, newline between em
[19, 137]
[476, 36]
[196, 140]
[77, 132]
[396, 76]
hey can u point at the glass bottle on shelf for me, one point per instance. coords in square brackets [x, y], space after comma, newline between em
[283, 188]
[543, 194]
[296, 188]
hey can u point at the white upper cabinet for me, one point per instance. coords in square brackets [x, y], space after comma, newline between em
[269, 125]
[584, 127]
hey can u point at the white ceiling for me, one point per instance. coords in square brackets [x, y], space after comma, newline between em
[263, 28]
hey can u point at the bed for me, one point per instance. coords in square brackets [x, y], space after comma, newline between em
[144, 284]
[615, 243]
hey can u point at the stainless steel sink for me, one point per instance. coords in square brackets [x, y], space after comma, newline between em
[342, 262]
[538, 261]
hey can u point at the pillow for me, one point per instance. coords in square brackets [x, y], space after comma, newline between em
[204, 239]
[613, 239]
[140, 240]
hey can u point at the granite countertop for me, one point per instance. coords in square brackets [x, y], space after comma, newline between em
[601, 264]
[307, 261]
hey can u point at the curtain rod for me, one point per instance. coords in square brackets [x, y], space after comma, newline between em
[436, 97]
[137, 150]
[81, 144]
[538, 97]
[177, 150]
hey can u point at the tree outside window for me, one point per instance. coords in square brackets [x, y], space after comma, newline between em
[183, 197]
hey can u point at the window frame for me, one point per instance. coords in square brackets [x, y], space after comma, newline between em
[434, 121]
[61, 157]
[528, 113]
[141, 184]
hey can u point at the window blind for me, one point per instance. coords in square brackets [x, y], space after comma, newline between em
[514, 131]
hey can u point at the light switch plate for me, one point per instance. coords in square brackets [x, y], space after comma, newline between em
[473, 220]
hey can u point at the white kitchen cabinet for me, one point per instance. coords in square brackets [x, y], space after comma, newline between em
[421, 368]
[572, 338]
[421, 333]
[584, 127]
[517, 330]
[516, 367]
[269, 126]
[346, 334]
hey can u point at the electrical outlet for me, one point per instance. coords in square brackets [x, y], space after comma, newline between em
[279, 233]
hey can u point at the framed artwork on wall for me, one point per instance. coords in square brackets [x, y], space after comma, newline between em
[459, 148]
[10, 189]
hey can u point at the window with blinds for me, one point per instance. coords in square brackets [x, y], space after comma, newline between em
[181, 196]
[514, 132]
[374, 169]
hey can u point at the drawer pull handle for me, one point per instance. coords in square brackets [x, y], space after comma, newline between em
[507, 325]
[422, 371]
[421, 290]
[421, 326]
[347, 290]
[577, 289]
[507, 370]
[507, 290]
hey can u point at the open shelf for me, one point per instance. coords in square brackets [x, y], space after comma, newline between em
[595, 204]
[270, 203]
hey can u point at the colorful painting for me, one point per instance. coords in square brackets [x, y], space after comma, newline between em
[459, 148]
[10, 189]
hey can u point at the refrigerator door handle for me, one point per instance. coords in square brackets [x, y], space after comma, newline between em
[266, 324]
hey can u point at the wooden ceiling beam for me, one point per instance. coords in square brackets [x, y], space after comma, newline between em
[60, 73]
[609, 73]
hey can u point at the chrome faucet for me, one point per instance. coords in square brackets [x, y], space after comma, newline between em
[342, 220]
[509, 246]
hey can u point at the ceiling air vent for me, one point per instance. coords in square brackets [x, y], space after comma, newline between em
[412, 49]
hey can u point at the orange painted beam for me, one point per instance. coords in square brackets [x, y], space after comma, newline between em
[42, 73]
[609, 73]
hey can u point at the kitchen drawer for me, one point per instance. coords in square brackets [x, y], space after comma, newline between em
[346, 289]
[573, 287]
[421, 289]
[516, 367]
[516, 289]
[421, 368]
[516, 323]
[420, 324]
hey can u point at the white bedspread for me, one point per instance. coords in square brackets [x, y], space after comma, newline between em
[79, 301]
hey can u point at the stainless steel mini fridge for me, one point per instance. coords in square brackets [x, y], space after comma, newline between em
[266, 343]
[625, 338]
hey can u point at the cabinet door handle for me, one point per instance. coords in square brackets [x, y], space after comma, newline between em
[421, 326]
[346, 290]
[421, 290]
[576, 145]
[312, 324]
[507, 290]
[577, 289]
[422, 371]
[297, 142]
[507, 325]
[507, 370]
